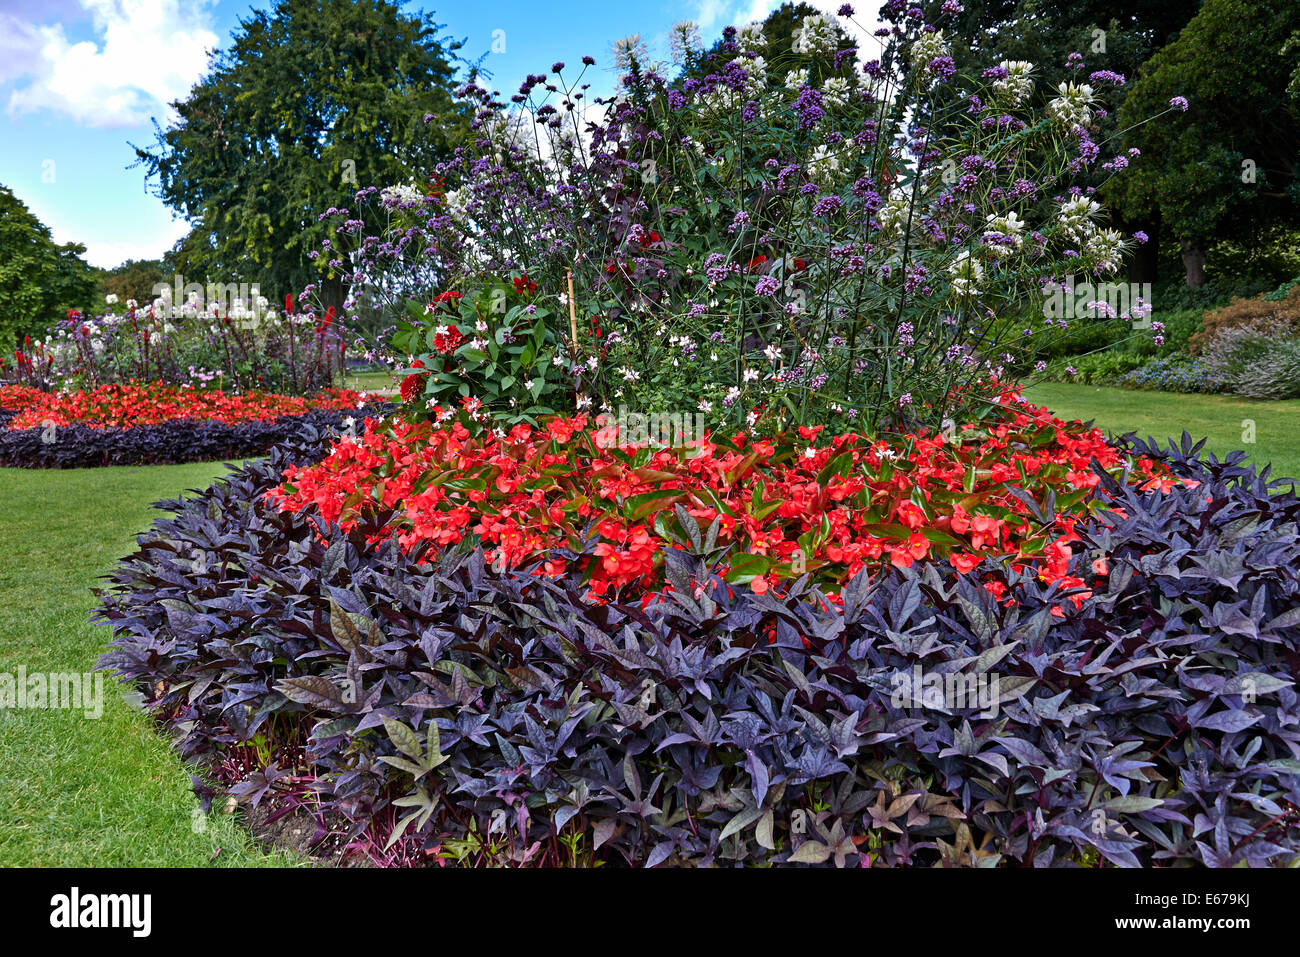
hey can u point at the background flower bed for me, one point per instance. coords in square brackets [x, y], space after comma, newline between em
[504, 719]
[156, 425]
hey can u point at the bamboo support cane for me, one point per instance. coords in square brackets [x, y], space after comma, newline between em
[573, 315]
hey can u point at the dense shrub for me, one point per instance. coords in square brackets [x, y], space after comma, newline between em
[1282, 313]
[508, 720]
[1098, 368]
[172, 442]
[1260, 361]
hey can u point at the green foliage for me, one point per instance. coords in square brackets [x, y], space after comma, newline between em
[1228, 65]
[312, 101]
[135, 279]
[40, 280]
[508, 360]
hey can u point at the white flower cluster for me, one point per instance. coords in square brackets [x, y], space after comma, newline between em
[892, 216]
[818, 33]
[828, 164]
[392, 196]
[456, 202]
[929, 46]
[723, 99]
[837, 91]
[967, 273]
[1074, 105]
[1105, 248]
[750, 38]
[1009, 226]
[1018, 84]
[1075, 217]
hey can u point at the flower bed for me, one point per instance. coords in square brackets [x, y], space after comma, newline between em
[828, 506]
[130, 406]
[444, 712]
[157, 424]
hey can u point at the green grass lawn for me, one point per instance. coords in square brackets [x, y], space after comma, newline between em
[1223, 420]
[77, 791]
[375, 381]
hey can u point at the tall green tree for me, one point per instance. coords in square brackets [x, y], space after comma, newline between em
[1226, 168]
[312, 101]
[134, 279]
[40, 280]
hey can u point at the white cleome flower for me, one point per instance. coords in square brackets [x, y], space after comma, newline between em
[1016, 87]
[818, 33]
[967, 274]
[929, 46]
[1074, 105]
[1009, 228]
[1075, 217]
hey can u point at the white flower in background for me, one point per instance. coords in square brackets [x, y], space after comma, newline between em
[836, 92]
[630, 48]
[818, 33]
[1018, 84]
[796, 80]
[630, 375]
[457, 203]
[392, 196]
[705, 405]
[751, 375]
[967, 273]
[929, 46]
[1075, 217]
[1105, 248]
[111, 298]
[1009, 226]
[1074, 105]
[750, 38]
[892, 215]
[724, 98]
[772, 353]
[684, 41]
[97, 346]
[130, 304]
[827, 164]
[584, 402]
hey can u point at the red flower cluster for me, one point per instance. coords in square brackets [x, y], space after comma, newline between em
[788, 505]
[447, 339]
[123, 406]
[524, 285]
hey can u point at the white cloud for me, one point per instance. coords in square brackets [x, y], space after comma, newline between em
[155, 240]
[146, 53]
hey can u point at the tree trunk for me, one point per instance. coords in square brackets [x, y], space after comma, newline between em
[1193, 262]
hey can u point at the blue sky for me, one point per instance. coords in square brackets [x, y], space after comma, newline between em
[81, 78]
